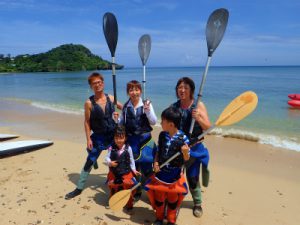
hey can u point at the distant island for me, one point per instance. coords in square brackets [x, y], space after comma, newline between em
[68, 57]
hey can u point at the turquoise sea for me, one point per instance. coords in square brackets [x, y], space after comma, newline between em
[273, 122]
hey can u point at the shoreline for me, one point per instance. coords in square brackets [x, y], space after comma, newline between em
[274, 140]
[250, 183]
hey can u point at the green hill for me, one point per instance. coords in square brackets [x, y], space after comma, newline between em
[68, 57]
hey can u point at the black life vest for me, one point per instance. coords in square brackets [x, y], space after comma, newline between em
[123, 161]
[165, 151]
[135, 124]
[186, 119]
[102, 122]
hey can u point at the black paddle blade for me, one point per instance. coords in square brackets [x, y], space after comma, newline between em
[144, 47]
[215, 29]
[110, 30]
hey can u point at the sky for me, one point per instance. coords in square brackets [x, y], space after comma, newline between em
[259, 32]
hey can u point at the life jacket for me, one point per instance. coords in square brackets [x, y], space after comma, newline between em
[165, 151]
[102, 122]
[123, 160]
[186, 119]
[135, 124]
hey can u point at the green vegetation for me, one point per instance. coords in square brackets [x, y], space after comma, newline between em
[68, 57]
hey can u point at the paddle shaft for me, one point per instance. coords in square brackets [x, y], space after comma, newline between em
[161, 166]
[170, 159]
[198, 138]
[200, 91]
[144, 82]
[113, 65]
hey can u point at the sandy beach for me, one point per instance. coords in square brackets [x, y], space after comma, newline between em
[250, 184]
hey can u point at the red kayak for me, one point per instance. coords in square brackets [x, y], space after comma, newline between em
[294, 103]
[294, 96]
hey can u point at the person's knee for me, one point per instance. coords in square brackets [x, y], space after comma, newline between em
[172, 205]
[88, 165]
[193, 182]
[158, 203]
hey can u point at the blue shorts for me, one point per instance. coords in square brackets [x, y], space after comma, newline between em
[142, 147]
[201, 155]
[100, 142]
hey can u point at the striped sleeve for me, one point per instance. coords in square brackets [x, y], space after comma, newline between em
[186, 139]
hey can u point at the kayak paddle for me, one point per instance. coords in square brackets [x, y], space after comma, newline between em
[110, 30]
[215, 29]
[144, 51]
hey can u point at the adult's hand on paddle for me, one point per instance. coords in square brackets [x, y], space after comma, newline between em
[115, 116]
[147, 106]
[198, 115]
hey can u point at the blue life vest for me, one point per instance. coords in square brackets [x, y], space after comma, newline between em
[135, 124]
[123, 161]
[171, 172]
[186, 119]
[102, 122]
[166, 151]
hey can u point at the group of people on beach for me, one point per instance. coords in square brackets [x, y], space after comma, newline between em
[133, 155]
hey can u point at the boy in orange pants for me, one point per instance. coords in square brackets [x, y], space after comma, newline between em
[167, 188]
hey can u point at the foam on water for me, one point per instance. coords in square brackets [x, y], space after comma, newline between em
[276, 141]
[49, 106]
[58, 108]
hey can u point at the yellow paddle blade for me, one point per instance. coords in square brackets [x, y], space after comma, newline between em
[119, 200]
[238, 109]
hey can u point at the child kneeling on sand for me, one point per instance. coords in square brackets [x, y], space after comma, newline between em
[167, 188]
[121, 164]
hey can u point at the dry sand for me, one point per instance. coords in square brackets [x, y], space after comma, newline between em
[251, 184]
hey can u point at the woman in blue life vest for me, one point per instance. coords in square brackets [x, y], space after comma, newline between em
[167, 188]
[99, 124]
[138, 117]
[121, 164]
[185, 89]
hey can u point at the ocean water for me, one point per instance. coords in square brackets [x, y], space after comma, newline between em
[273, 122]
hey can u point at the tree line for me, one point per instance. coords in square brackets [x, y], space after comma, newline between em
[68, 57]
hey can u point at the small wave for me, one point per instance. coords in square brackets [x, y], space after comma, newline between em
[57, 108]
[276, 141]
[20, 100]
[234, 133]
[48, 106]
